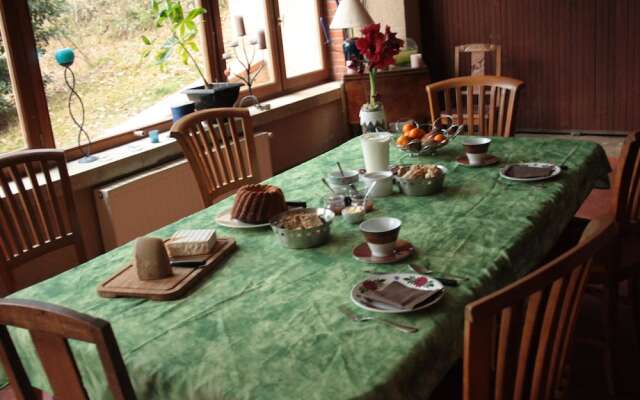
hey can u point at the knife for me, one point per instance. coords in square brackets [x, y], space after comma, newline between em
[443, 279]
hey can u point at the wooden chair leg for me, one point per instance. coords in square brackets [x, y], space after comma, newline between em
[610, 321]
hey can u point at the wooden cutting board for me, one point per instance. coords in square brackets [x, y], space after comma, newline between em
[125, 283]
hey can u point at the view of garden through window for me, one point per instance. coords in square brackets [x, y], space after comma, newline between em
[121, 90]
[254, 16]
[300, 35]
[10, 136]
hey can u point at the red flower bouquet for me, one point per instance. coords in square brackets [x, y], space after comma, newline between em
[379, 50]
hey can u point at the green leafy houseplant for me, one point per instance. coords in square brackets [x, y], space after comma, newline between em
[182, 38]
[182, 41]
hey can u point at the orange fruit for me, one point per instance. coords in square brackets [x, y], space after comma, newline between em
[407, 127]
[402, 141]
[416, 133]
[439, 137]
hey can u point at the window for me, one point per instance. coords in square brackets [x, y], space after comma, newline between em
[254, 16]
[301, 37]
[121, 91]
[11, 137]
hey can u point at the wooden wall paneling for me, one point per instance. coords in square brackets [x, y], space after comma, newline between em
[633, 50]
[603, 58]
[578, 58]
[621, 61]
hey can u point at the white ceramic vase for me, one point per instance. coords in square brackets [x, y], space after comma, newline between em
[372, 119]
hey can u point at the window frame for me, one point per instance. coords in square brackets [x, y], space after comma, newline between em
[29, 92]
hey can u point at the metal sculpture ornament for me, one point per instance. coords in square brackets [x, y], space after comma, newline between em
[65, 58]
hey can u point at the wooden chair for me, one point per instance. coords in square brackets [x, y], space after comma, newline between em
[609, 271]
[50, 327]
[478, 58]
[517, 340]
[484, 104]
[219, 144]
[34, 218]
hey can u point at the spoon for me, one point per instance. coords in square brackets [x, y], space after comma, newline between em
[340, 168]
[366, 195]
[328, 186]
[355, 190]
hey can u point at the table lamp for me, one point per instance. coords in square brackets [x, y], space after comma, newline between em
[349, 15]
[65, 58]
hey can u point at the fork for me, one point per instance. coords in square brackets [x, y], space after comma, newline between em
[359, 318]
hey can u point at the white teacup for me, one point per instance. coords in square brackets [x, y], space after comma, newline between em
[383, 181]
[476, 149]
[381, 235]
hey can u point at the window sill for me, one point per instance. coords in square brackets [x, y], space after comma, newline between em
[142, 154]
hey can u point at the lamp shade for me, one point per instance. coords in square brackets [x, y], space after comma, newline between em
[350, 14]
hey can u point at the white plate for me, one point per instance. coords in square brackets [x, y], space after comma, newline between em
[224, 219]
[556, 172]
[407, 279]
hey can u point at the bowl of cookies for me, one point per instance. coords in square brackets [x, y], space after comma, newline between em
[303, 228]
[421, 179]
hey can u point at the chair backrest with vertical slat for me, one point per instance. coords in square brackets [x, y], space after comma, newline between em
[626, 184]
[219, 144]
[50, 328]
[484, 104]
[478, 58]
[517, 339]
[37, 211]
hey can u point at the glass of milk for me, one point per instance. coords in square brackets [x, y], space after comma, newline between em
[375, 149]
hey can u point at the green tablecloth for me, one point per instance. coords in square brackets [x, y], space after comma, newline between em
[266, 325]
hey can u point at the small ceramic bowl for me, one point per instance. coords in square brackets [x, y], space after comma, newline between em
[422, 187]
[336, 179]
[353, 214]
[381, 235]
[383, 180]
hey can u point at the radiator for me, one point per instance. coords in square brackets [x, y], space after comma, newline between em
[141, 203]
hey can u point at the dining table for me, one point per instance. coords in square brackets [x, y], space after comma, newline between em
[266, 323]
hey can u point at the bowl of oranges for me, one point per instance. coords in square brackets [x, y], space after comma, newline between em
[420, 139]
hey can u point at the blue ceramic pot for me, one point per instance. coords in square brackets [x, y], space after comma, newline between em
[182, 110]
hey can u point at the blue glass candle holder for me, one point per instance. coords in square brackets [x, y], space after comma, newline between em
[65, 57]
[154, 136]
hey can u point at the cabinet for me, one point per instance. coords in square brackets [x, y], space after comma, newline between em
[402, 92]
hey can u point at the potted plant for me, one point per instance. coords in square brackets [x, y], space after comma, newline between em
[182, 42]
[378, 50]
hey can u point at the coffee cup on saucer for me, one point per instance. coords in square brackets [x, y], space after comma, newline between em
[476, 149]
[381, 235]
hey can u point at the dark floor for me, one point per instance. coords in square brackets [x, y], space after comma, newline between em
[588, 379]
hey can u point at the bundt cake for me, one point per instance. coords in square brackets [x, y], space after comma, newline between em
[256, 204]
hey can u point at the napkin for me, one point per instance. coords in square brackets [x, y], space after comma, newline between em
[527, 171]
[400, 296]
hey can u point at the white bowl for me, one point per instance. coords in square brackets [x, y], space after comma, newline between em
[353, 214]
[383, 180]
[350, 176]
